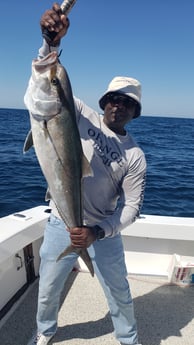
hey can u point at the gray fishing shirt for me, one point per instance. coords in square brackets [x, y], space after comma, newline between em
[113, 195]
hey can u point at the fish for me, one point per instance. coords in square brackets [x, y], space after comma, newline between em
[55, 136]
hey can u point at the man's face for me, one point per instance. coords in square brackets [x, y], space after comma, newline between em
[119, 110]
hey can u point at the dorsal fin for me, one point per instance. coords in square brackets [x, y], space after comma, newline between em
[28, 142]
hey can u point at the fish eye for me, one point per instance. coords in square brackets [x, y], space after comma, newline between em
[54, 81]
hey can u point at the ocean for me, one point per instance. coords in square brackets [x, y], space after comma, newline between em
[168, 143]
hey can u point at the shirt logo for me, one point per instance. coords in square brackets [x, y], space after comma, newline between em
[103, 149]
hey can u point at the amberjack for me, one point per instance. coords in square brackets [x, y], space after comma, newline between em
[55, 136]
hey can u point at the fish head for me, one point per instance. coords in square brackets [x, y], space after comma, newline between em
[47, 89]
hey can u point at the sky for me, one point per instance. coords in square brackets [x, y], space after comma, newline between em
[150, 40]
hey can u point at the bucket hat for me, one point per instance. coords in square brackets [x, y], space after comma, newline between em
[125, 85]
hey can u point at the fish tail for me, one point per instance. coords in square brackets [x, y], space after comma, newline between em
[83, 253]
[67, 251]
[86, 258]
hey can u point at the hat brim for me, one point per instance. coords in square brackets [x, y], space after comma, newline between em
[102, 103]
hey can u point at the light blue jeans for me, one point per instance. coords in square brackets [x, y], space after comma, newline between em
[109, 265]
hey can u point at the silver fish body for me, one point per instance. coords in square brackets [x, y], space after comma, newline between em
[57, 141]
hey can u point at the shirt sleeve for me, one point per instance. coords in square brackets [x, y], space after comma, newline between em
[46, 49]
[81, 108]
[131, 199]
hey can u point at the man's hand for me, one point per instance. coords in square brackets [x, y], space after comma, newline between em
[54, 21]
[82, 237]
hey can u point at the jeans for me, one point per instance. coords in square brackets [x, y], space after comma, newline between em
[108, 260]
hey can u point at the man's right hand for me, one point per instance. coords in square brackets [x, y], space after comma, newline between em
[54, 21]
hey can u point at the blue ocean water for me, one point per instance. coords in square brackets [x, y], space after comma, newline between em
[168, 144]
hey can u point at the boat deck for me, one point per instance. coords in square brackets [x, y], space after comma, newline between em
[164, 312]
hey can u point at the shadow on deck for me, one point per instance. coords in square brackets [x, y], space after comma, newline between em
[164, 312]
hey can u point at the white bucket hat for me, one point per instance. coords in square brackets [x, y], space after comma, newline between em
[128, 86]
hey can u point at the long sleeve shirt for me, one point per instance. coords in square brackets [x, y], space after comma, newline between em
[113, 195]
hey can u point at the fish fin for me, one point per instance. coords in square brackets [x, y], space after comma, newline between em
[86, 168]
[28, 142]
[48, 195]
[67, 251]
[87, 260]
[83, 253]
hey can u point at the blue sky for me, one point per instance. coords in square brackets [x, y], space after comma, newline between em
[151, 40]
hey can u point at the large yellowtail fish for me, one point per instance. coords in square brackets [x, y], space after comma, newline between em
[56, 139]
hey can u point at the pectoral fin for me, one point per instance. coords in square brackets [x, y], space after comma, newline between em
[86, 168]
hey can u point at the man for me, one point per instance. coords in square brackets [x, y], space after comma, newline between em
[112, 200]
